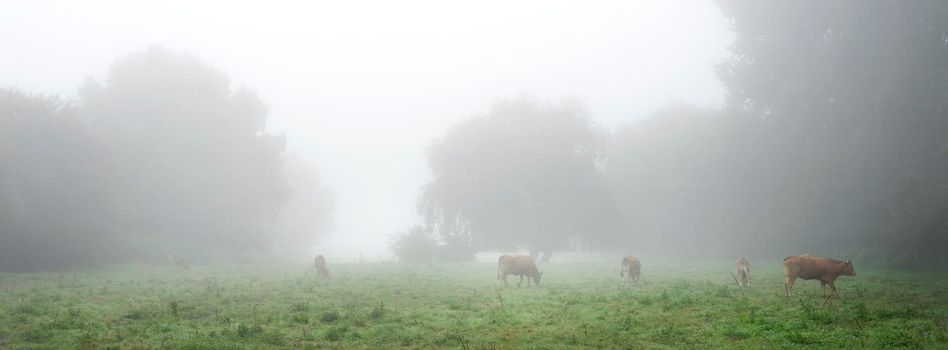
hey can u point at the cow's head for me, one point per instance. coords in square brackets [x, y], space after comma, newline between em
[848, 269]
[536, 279]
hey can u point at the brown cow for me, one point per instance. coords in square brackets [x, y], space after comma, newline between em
[744, 272]
[179, 261]
[320, 263]
[518, 265]
[631, 268]
[813, 267]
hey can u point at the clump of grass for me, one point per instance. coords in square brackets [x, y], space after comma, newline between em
[300, 306]
[898, 311]
[173, 308]
[329, 316]
[243, 330]
[335, 333]
[377, 311]
[300, 318]
[136, 314]
[803, 338]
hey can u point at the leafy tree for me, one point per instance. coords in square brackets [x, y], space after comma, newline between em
[524, 175]
[414, 245]
[306, 214]
[192, 162]
[53, 204]
[849, 99]
[666, 171]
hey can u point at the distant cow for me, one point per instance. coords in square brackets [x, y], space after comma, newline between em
[812, 267]
[179, 261]
[320, 263]
[631, 268]
[744, 272]
[518, 265]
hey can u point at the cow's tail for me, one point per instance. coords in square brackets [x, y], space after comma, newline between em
[499, 260]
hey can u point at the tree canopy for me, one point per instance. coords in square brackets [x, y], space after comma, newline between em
[193, 162]
[162, 156]
[525, 175]
[54, 208]
[850, 98]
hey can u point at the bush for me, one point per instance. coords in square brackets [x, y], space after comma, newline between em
[414, 245]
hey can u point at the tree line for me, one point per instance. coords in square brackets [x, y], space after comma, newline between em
[162, 156]
[833, 138]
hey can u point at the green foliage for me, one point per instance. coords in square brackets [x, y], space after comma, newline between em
[430, 305]
[378, 311]
[523, 175]
[842, 108]
[54, 207]
[833, 137]
[329, 316]
[414, 245]
[163, 156]
[192, 160]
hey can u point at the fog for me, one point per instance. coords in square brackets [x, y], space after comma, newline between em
[676, 128]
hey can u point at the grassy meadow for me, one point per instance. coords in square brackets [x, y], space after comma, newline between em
[462, 306]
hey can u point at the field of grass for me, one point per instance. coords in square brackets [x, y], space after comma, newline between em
[381, 306]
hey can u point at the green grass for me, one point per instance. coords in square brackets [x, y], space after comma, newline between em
[377, 306]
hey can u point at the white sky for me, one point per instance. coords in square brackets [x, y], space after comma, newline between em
[361, 87]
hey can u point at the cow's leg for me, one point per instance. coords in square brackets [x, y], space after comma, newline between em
[504, 278]
[521, 281]
[788, 283]
[833, 287]
[822, 288]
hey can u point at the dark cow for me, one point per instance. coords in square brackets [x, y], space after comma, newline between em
[813, 267]
[744, 272]
[518, 265]
[179, 261]
[631, 268]
[320, 263]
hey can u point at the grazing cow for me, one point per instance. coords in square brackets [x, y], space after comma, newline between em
[631, 268]
[744, 272]
[179, 261]
[320, 263]
[518, 265]
[813, 267]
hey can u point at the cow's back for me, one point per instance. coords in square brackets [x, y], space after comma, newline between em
[631, 263]
[743, 265]
[517, 265]
[812, 267]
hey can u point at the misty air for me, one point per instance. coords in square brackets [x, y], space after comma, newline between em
[712, 174]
